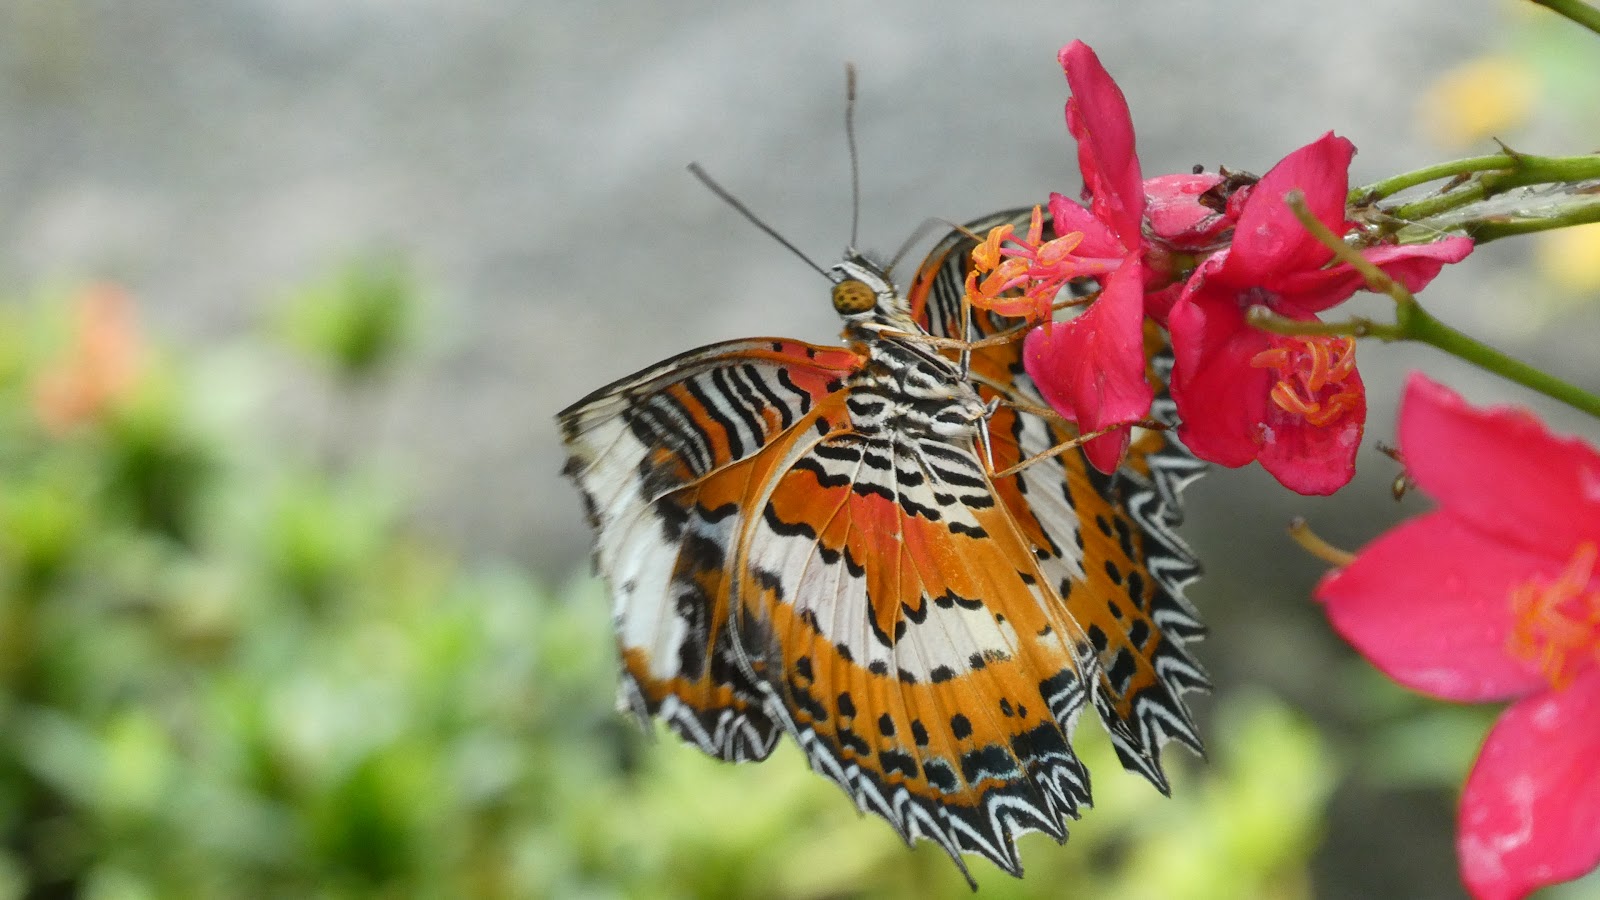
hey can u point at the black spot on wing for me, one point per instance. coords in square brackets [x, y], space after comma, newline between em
[691, 604]
[894, 761]
[807, 704]
[1139, 633]
[960, 726]
[1125, 538]
[987, 762]
[940, 775]
[852, 741]
[768, 580]
[1113, 573]
[700, 553]
[919, 733]
[1134, 585]
[1122, 669]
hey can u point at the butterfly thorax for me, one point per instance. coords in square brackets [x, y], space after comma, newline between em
[906, 386]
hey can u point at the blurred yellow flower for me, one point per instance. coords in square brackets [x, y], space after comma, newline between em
[1484, 98]
[1569, 258]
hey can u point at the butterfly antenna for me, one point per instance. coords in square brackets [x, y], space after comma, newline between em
[850, 138]
[922, 232]
[696, 171]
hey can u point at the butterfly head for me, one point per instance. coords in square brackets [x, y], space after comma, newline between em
[862, 291]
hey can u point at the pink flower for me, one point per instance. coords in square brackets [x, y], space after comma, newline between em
[1136, 237]
[1494, 596]
[1091, 368]
[1297, 404]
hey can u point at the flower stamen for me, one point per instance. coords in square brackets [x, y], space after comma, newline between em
[1021, 276]
[1314, 375]
[1556, 623]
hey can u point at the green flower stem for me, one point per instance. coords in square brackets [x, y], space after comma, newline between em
[1413, 323]
[1493, 175]
[1439, 204]
[1524, 172]
[1417, 324]
[1494, 227]
[1577, 11]
[1378, 190]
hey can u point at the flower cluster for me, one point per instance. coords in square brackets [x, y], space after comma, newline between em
[1494, 596]
[1196, 253]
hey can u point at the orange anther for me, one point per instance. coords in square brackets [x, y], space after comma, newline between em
[1556, 623]
[1313, 375]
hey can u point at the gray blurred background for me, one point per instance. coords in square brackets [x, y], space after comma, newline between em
[528, 159]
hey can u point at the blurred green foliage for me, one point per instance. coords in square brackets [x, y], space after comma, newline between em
[356, 320]
[227, 669]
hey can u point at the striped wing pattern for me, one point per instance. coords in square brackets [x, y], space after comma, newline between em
[641, 450]
[921, 662]
[808, 540]
[1106, 542]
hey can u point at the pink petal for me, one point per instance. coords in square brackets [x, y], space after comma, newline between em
[1501, 470]
[1221, 397]
[1314, 460]
[1091, 368]
[1067, 216]
[1158, 303]
[1269, 242]
[1106, 451]
[1097, 115]
[1530, 813]
[1413, 265]
[1174, 212]
[1429, 603]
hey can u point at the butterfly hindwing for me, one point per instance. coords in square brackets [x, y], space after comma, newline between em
[876, 577]
[1104, 542]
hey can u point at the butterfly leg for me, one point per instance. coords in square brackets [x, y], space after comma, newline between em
[1064, 446]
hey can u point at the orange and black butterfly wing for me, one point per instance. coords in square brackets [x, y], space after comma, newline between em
[775, 570]
[904, 630]
[642, 452]
[1105, 544]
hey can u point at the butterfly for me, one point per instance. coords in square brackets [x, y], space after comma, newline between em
[812, 541]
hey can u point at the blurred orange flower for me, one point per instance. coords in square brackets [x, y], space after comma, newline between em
[99, 369]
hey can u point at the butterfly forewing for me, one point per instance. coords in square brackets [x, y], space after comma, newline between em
[639, 450]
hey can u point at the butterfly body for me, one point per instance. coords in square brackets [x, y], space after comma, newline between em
[812, 540]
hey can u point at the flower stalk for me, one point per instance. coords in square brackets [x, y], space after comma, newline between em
[1494, 174]
[1413, 323]
[1576, 10]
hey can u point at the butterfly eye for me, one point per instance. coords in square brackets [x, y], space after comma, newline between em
[851, 297]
